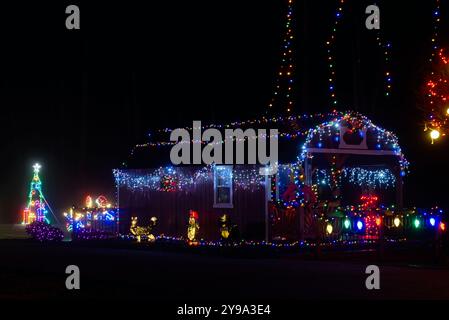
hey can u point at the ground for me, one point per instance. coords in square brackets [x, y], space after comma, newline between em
[33, 270]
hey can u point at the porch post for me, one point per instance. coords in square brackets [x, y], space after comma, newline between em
[399, 188]
[267, 198]
[118, 206]
[307, 171]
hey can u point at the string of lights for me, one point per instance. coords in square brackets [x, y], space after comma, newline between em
[386, 48]
[301, 131]
[285, 76]
[331, 61]
[437, 98]
[329, 132]
[379, 178]
[437, 85]
[360, 226]
[436, 26]
[369, 218]
[258, 121]
[267, 244]
[375, 179]
[243, 178]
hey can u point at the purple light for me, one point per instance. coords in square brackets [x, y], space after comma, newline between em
[42, 231]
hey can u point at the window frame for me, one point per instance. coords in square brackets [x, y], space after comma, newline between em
[230, 204]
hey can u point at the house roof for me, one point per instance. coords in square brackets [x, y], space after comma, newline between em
[297, 136]
[353, 133]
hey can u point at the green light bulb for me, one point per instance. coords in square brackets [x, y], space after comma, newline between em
[417, 223]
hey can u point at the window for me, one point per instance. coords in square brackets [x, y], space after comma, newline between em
[283, 184]
[223, 187]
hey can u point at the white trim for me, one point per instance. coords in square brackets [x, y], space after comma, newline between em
[223, 205]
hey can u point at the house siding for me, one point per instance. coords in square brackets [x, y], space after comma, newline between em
[172, 209]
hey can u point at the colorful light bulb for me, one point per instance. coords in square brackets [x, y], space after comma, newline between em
[329, 229]
[378, 221]
[397, 222]
[417, 223]
[434, 134]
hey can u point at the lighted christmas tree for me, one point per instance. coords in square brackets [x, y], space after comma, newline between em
[36, 209]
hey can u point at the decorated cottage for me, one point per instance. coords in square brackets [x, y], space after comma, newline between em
[340, 178]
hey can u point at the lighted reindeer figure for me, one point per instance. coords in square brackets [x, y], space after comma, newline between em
[143, 231]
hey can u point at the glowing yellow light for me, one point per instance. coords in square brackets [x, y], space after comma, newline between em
[378, 221]
[447, 110]
[329, 229]
[434, 134]
[89, 202]
[396, 222]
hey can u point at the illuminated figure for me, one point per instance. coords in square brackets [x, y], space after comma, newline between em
[96, 214]
[36, 209]
[224, 227]
[143, 231]
[228, 231]
[192, 230]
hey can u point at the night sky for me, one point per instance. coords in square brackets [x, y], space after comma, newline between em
[78, 100]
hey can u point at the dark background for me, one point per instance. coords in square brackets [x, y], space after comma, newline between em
[78, 100]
